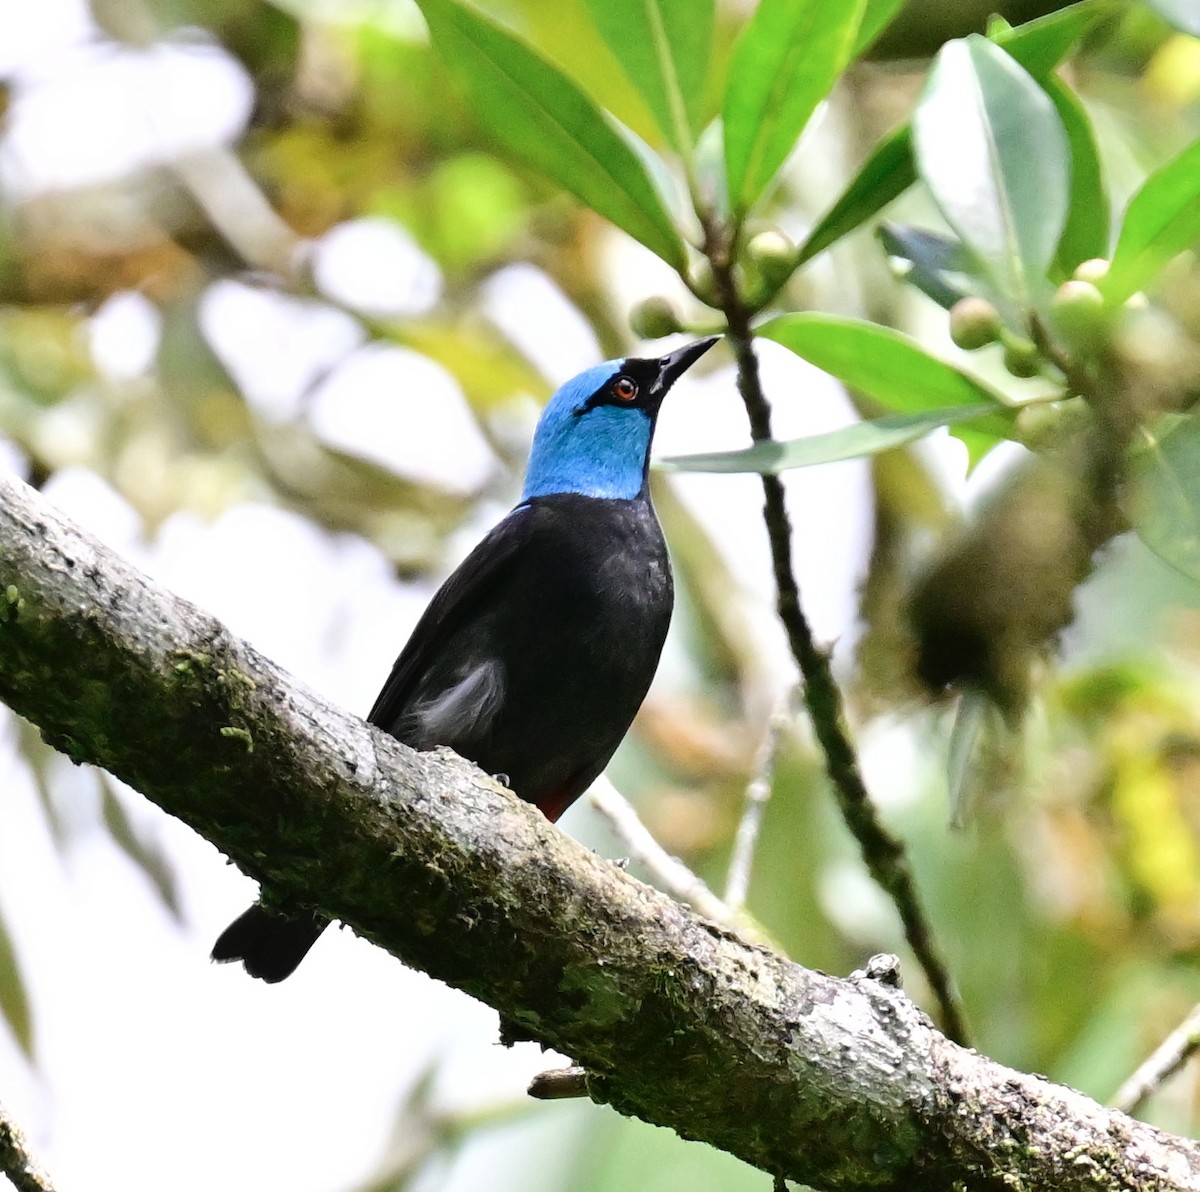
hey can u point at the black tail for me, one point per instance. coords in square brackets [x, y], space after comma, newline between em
[270, 944]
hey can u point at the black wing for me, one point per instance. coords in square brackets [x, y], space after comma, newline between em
[474, 582]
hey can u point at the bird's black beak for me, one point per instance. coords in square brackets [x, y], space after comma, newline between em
[674, 364]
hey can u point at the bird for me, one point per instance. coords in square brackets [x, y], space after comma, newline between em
[533, 657]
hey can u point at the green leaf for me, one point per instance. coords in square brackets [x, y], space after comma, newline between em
[1166, 500]
[544, 119]
[1183, 15]
[889, 171]
[972, 719]
[885, 365]
[863, 438]
[877, 16]
[937, 265]
[1162, 220]
[991, 148]
[1040, 45]
[153, 861]
[1088, 214]
[785, 62]
[886, 174]
[564, 33]
[663, 47]
[14, 1001]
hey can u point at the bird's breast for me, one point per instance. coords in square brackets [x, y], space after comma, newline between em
[543, 680]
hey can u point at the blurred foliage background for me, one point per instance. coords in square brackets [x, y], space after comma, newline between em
[270, 291]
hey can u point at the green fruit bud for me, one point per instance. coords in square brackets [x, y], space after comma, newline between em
[1045, 424]
[1036, 426]
[1092, 270]
[1021, 359]
[703, 283]
[1078, 311]
[974, 323]
[653, 318]
[773, 255]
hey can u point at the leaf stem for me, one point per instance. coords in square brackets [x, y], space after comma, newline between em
[883, 854]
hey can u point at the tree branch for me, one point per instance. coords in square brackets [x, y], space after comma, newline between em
[834, 1083]
[758, 792]
[1167, 1058]
[16, 1161]
[883, 854]
[671, 874]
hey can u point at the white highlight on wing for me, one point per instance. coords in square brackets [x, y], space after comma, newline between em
[461, 710]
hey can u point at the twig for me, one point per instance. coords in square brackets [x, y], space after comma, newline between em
[423, 1133]
[883, 853]
[670, 872]
[16, 1162]
[1166, 1059]
[559, 1084]
[240, 212]
[758, 792]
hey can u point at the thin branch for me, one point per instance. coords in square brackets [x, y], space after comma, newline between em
[758, 793]
[1166, 1059]
[559, 1084]
[423, 1132]
[828, 1082]
[884, 855]
[23, 1170]
[668, 871]
[239, 211]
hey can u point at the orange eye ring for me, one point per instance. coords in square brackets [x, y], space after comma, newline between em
[625, 389]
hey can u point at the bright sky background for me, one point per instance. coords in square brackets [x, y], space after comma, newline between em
[157, 1070]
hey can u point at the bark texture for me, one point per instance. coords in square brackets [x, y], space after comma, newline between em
[840, 1084]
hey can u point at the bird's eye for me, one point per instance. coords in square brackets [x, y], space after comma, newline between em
[625, 388]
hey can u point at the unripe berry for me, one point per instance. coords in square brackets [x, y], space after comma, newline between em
[1043, 424]
[703, 283]
[1078, 310]
[773, 255]
[1036, 425]
[1092, 270]
[652, 318]
[1021, 359]
[974, 323]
